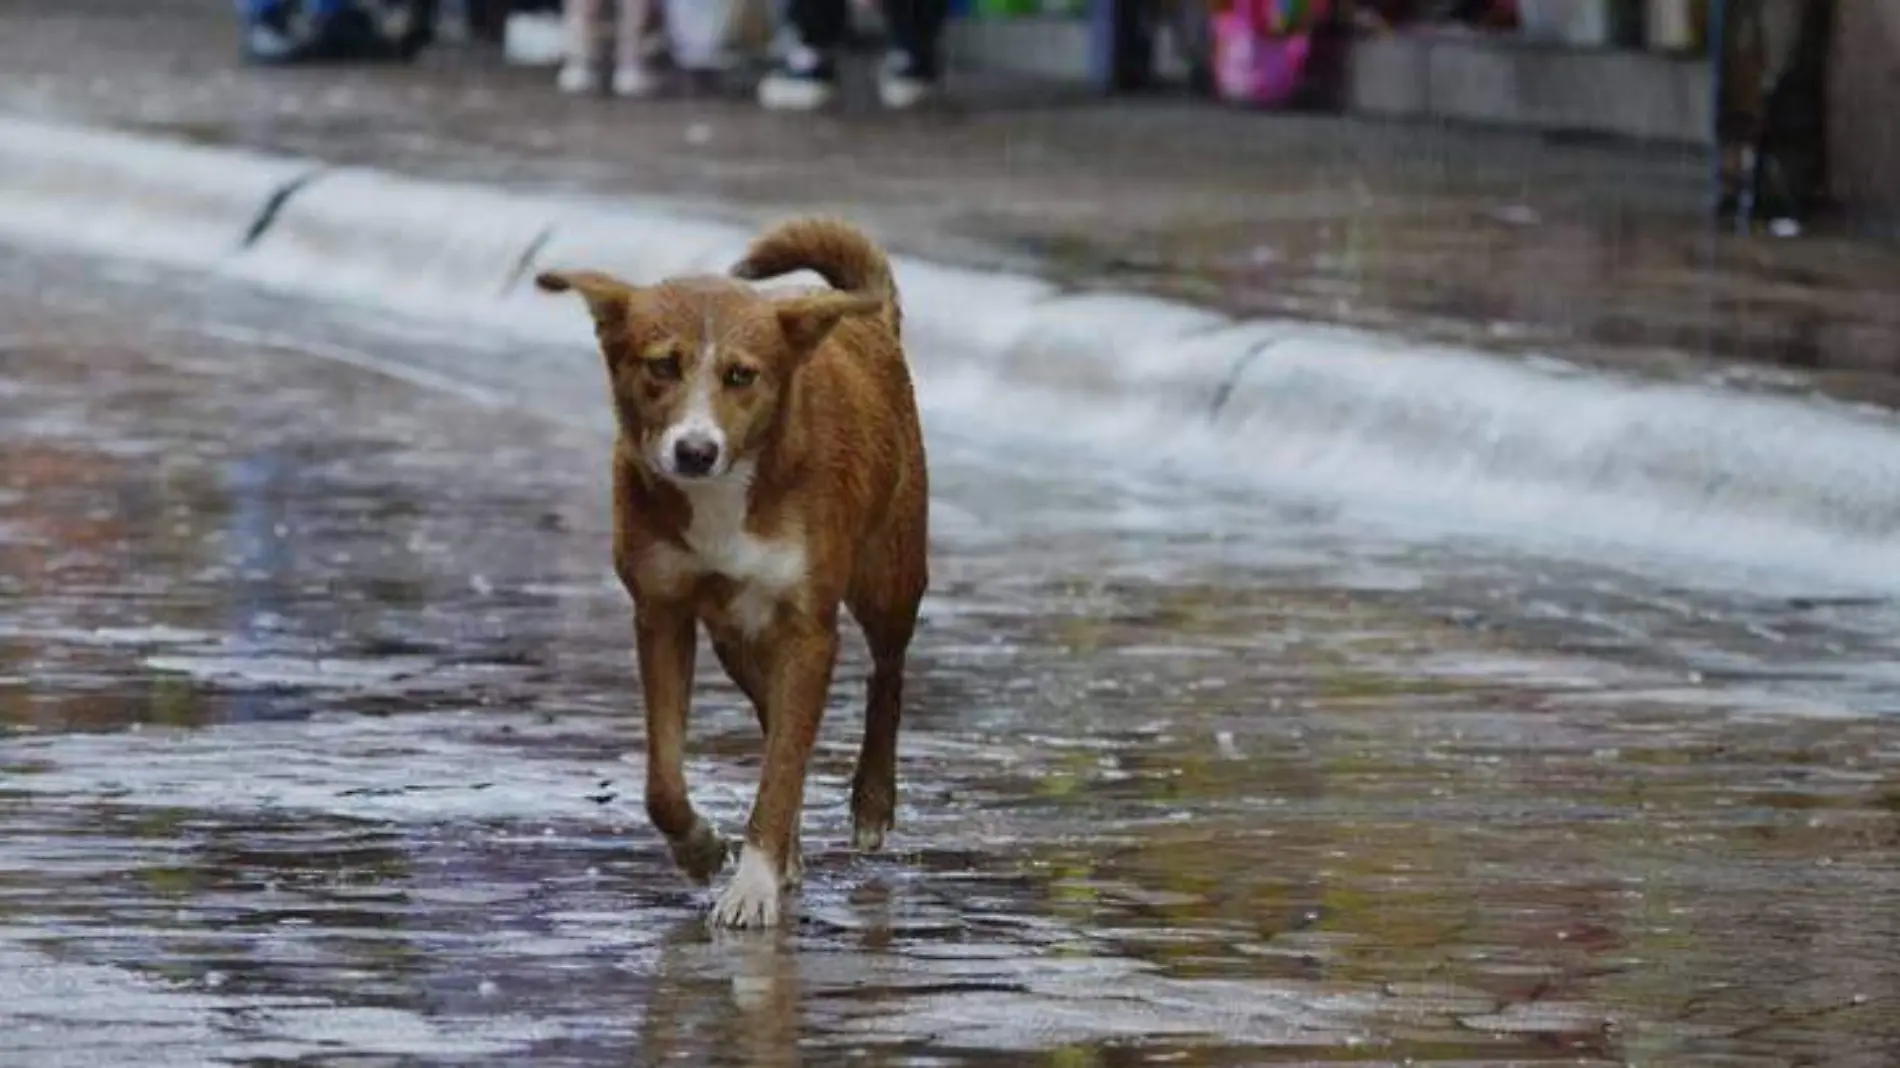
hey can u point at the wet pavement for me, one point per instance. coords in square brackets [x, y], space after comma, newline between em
[319, 746]
[1594, 252]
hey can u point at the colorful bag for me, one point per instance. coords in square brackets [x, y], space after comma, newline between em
[1262, 48]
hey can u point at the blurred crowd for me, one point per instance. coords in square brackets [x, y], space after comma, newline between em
[624, 46]
[620, 45]
[1258, 51]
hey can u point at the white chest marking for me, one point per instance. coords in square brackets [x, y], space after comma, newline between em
[764, 570]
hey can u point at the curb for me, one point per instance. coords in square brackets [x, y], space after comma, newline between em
[438, 249]
[1430, 425]
[141, 198]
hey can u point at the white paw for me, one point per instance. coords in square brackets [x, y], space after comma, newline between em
[752, 898]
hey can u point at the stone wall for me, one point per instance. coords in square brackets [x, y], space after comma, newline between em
[1501, 81]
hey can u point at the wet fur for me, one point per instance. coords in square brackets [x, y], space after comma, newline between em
[825, 504]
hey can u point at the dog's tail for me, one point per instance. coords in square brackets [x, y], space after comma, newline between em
[838, 252]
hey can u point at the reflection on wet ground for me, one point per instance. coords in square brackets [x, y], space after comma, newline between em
[317, 746]
[1482, 265]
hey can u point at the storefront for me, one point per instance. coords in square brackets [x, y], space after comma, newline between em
[1131, 44]
[1746, 79]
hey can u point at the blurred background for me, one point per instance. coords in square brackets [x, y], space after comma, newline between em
[1547, 173]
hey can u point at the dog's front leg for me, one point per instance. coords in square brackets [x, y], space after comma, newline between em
[798, 680]
[664, 640]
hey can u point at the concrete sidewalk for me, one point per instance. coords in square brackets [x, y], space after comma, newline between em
[1591, 251]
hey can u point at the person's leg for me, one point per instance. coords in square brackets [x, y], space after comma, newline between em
[821, 25]
[638, 24]
[579, 73]
[915, 64]
[807, 76]
[916, 30]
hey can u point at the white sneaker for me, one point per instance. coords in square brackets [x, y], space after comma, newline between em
[805, 81]
[900, 87]
[900, 93]
[578, 77]
[637, 81]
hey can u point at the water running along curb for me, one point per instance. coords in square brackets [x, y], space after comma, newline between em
[1455, 431]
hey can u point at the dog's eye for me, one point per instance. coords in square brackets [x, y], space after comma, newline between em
[666, 367]
[739, 376]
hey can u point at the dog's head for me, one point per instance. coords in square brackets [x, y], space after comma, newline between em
[701, 368]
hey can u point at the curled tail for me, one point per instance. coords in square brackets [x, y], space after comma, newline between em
[838, 252]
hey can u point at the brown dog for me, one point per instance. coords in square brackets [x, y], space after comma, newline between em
[769, 467]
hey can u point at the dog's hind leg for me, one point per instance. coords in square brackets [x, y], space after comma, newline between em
[664, 641]
[743, 668]
[884, 600]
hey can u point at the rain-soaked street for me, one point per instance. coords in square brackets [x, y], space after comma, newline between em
[319, 745]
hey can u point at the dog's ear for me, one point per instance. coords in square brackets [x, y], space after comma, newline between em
[608, 298]
[807, 320]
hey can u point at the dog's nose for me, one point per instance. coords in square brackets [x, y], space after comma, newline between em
[695, 455]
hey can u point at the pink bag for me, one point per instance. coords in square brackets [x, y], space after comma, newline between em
[1261, 49]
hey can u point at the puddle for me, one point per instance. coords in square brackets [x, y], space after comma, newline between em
[318, 744]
